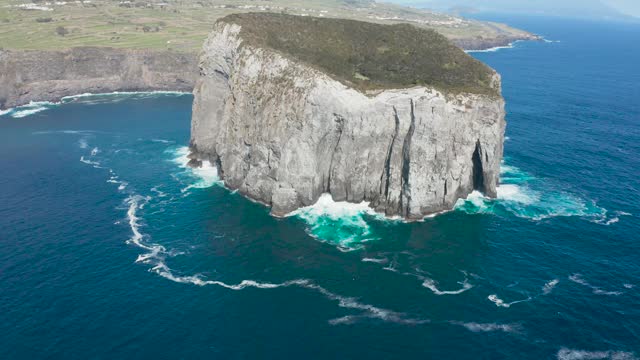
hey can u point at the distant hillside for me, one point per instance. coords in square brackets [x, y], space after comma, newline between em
[182, 25]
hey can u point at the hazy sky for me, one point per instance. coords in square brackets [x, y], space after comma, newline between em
[595, 7]
[631, 7]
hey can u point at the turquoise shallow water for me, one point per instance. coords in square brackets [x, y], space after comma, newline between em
[112, 248]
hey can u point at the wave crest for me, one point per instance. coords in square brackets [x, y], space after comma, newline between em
[338, 222]
[205, 176]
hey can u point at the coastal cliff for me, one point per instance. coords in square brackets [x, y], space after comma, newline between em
[288, 108]
[31, 75]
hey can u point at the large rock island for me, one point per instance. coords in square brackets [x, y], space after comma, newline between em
[291, 107]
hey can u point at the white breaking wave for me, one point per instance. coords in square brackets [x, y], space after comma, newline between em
[124, 93]
[609, 221]
[326, 206]
[489, 327]
[73, 132]
[493, 49]
[549, 286]
[82, 143]
[34, 107]
[31, 108]
[95, 164]
[577, 278]
[524, 196]
[431, 285]
[570, 354]
[515, 193]
[376, 260]
[500, 303]
[338, 222]
[95, 151]
[159, 192]
[206, 175]
[116, 96]
[114, 179]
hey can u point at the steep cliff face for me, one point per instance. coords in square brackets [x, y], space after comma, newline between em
[283, 132]
[50, 75]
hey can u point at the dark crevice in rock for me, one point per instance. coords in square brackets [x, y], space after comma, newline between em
[194, 163]
[218, 163]
[340, 125]
[221, 73]
[387, 163]
[478, 173]
[405, 196]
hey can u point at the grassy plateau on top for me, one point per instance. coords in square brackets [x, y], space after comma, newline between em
[369, 56]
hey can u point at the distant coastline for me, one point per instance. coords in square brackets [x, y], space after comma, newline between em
[31, 76]
[34, 107]
[40, 75]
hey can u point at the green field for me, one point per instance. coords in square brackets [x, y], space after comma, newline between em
[183, 25]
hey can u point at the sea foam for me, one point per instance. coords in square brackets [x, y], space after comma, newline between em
[338, 222]
[205, 176]
[493, 49]
[95, 164]
[571, 354]
[549, 286]
[35, 107]
[578, 279]
[501, 303]
[432, 285]
[31, 108]
[522, 195]
[489, 327]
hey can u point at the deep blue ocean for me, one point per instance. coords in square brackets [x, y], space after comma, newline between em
[110, 248]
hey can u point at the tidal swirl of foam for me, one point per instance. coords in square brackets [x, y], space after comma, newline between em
[158, 256]
[501, 303]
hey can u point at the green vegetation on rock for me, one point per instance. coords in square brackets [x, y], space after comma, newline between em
[369, 56]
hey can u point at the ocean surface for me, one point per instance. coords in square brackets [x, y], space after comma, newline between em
[111, 248]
